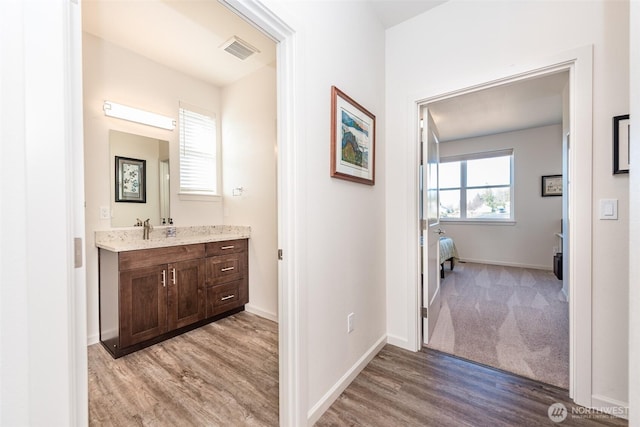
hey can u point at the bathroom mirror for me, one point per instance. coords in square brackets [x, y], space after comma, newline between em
[155, 153]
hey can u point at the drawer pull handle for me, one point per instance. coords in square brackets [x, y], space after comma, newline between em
[164, 278]
[227, 269]
[227, 297]
[173, 276]
[226, 247]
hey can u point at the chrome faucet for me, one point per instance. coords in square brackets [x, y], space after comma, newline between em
[147, 229]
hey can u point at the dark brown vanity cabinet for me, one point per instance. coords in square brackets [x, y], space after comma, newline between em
[150, 295]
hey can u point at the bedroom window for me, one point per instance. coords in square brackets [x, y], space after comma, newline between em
[198, 152]
[477, 187]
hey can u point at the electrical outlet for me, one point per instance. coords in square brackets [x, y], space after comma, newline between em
[350, 319]
[555, 250]
[105, 212]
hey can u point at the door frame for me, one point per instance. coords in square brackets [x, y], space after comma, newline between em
[579, 64]
[291, 321]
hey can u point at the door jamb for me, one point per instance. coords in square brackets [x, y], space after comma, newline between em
[579, 63]
[291, 322]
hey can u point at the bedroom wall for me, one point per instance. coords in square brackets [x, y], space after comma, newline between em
[530, 241]
[487, 39]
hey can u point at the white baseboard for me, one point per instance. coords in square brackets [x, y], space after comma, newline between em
[93, 339]
[610, 406]
[262, 313]
[399, 342]
[327, 400]
[507, 264]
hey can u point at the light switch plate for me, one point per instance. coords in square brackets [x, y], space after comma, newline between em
[608, 208]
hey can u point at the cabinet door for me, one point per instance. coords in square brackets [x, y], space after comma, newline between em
[143, 304]
[186, 293]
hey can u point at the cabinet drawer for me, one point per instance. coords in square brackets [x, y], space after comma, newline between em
[226, 247]
[223, 269]
[223, 297]
[157, 256]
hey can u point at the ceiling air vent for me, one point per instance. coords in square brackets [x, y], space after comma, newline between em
[239, 48]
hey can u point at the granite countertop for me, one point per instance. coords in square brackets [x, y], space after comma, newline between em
[130, 238]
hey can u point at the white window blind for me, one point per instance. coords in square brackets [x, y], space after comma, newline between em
[198, 153]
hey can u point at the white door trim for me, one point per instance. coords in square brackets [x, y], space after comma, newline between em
[579, 63]
[291, 322]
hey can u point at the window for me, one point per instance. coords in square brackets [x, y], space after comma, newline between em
[198, 152]
[477, 187]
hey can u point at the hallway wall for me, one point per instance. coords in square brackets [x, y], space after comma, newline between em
[487, 39]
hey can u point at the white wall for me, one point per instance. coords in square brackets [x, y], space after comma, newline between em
[249, 161]
[488, 38]
[39, 137]
[530, 241]
[634, 215]
[115, 74]
[339, 225]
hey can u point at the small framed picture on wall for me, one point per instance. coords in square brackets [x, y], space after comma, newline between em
[551, 185]
[621, 130]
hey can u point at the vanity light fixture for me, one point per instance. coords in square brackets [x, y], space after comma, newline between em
[120, 111]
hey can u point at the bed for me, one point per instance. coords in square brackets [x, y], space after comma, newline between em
[448, 252]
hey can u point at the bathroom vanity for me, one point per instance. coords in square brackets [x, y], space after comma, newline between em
[151, 290]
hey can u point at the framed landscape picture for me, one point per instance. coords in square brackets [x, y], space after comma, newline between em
[353, 140]
[131, 182]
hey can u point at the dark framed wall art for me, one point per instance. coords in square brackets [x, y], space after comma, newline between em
[131, 180]
[621, 130]
[551, 185]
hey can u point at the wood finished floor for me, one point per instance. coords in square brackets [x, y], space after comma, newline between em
[226, 374]
[430, 388]
[222, 374]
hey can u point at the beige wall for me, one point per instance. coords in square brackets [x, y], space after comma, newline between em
[249, 159]
[116, 74]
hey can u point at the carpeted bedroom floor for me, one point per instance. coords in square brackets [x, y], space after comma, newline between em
[514, 319]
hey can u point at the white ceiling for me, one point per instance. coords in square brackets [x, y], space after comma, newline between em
[509, 107]
[393, 12]
[180, 34]
[186, 35]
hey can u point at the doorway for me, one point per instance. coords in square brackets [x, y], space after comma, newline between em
[280, 221]
[502, 306]
[579, 200]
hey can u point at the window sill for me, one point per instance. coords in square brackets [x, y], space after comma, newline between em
[478, 221]
[193, 197]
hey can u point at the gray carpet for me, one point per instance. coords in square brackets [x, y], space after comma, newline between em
[515, 319]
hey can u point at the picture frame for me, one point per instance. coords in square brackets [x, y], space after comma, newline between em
[353, 140]
[551, 185]
[131, 180]
[621, 131]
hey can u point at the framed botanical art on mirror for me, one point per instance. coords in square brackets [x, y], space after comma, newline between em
[131, 182]
[353, 140]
